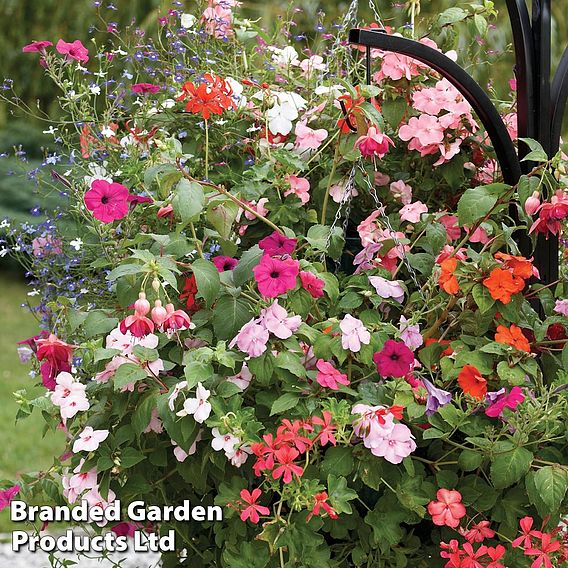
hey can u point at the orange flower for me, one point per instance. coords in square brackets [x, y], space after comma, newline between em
[512, 336]
[211, 96]
[502, 284]
[518, 265]
[448, 280]
[471, 382]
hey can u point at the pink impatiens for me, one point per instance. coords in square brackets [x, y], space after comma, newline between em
[353, 334]
[89, 440]
[328, 376]
[448, 509]
[69, 395]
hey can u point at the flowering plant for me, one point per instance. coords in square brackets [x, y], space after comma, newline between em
[208, 334]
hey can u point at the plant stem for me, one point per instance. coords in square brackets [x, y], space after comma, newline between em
[330, 181]
[206, 149]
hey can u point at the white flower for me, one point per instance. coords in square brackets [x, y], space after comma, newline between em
[34, 292]
[101, 74]
[168, 103]
[107, 132]
[284, 57]
[4, 252]
[50, 130]
[198, 407]
[240, 456]
[334, 90]
[225, 442]
[177, 389]
[76, 243]
[98, 171]
[5, 224]
[187, 20]
[95, 90]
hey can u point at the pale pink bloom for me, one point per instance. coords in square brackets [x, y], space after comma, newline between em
[381, 179]
[372, 424]
[532, 203]
[94, 499]
[387, 288]
[89, 440]
[43, 246]
[410, 334]
[367, 229]
[175, 393]
[313, 63]
[339, 193]
[425, 128]
[180, 454]
[69, 395]
[300, 187]
[401, 191]
[412, 212]
[308, 138]
[217, 21]
[561, 307]
[240, 455]
[110, 368]
[428, 100]
[155, 424]
[225, 442]
[198, 407]
[74, 485]
[243, 378]
[510, 121]
[448, 151]
[374, 143]
[275, 319]
[251, 339]
[396, 67]
[118, 340]
[259, 207]
[396, 445]
[353, 333]
[479, 236]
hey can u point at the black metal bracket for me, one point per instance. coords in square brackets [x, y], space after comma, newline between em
[541, 103]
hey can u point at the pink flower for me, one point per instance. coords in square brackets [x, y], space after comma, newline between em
[254, 509]
[275, 319]
[89, 440]
[412, 212]
[75, 50]
[7, 495]
[259, 207]
[277, 244]
[308, 138]
[479, 532]
[180, 454]
[368, 229]
[36, 47]
[43, 246]
[145, 88]
[251, 339]
[410, 334]
[107, 201]
[387, 288]
[243, 378]
[426, 129]
[401, 191]
[561, 307]
[155, 424]
[532, 203]
[510, 400]
[339, 192]
[328, 376]
[125, 528]
[396, 66]
[448, 509]
[198, 407]
[451, 225]
[275, 277]
[353, 333]
[312, 284]
[397, 444]
[394, 360]
[286, 468]
[300, 187]
[224, 263]
[374, 143]
[176, 320]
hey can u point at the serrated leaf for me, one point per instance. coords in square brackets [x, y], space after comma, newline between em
[551, 482]
[243, 271]
[510, 464]
[188, 200]
[207, 279]
[229, 315]
[285, 402]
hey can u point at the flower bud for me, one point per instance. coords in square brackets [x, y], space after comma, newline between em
[532, 203]
[142, 306]
[156, 285]
[159, 313]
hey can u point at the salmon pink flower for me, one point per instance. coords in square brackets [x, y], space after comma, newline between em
[325, 435]
[479, 532]
[285, 457]
[224, 263]
[320, 502]
[308, 138]
[89, 440]
[543, 551]
[275, 277]
[394, 360]
[7, 495]
[510, 400]
[471, 382]
[277, 244]
[312, 284]
[300, 187]
[425, 129]
[74, 50]
[525, 540]
[412, 212]
[374, 143]
[254, 509]
[353, 334]
[328, 376]
[107, 201]
[448, 509]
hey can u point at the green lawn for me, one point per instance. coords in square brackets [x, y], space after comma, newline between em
[23, 449]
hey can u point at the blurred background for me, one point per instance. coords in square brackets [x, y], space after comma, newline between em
[24, 144]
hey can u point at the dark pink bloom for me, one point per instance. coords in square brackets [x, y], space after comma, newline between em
[312, 284]
[286, 467]
[275, 276]
[107, 201]
[176, 320]
[125, 529]
[36, 46]
[395, 359]
[224, 263]
[277, 244]
[7, 495]
[134, 200]
[374, 143]
[167, 211]
[145, 88]
[479, 532]
[328, 376]
[507, 400]
[74, 50]
[50, 370]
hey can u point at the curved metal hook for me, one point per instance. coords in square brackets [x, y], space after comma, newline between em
[466, 85]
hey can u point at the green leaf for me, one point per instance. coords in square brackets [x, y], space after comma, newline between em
[475, 204]
[197, 372]
[394, 111]
[469, 460]
[229, 315]
[207, 279]
[452, 16]
[481, 25]
[262, 368]
[551, 483]
[143, 413]
[340, 494]
[338, 460]
[188, 200]
[291, 362]
[243, 271]
[98, 322]
[482, 298]
[130, 457]
[331, 287]
[513, 375]
[284, 402]
[128, 373]
[124, 270]
[222, 215]
[509, 464]
[318, 237]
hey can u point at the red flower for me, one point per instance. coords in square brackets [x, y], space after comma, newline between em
[325, 435]
[188, 294]
[293, 433]
[320, 503]
[285, 456]
[551, 215]
[56, 356]
[471, 382]
[448, 510]
[212, 96]
[479, 532]
[543, 552]
[252, 511]
[502, 284]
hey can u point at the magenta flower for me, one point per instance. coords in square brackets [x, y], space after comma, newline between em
[275, 277]
[75, 50]
[312, 284]
[224, 263]
[328, 376]
[107, 201]
[505, 400]
[36, 47]
[145, 88]
[277, 244]
[394, 360]
[374, 143]
[7, 495]
[125, 528]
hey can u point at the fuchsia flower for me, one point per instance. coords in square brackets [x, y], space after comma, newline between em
[277, 244]
[138, 324]
[300, 187]
[448, 509]
[107, 201]
[353, 334]
[7, 495]
[254, 509]
[505, 400]
[145, 88]
[394, 360]
[412, 212]
[551, 214]
[89, 440]
[275, 319]
[36, 47]
[224, 263]
[308, 138]
[532, 203]
[125, 528]
[75, 50]
[56, 356]
[328, 376]
[374, 143]
[312, 284]
[176, 320]
[275, 277]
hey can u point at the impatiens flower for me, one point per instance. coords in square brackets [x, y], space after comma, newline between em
[275, 319]
[175, 393]
[394, 360]
[107, 201]
[36, 46]
[396, 444]
[425, 129]
[286, 467]
[471, 382]
[413, 211]
[510, 400]
[353, 334]
[300, 187]
[479, 532]
[253, 510]
[74, 50]
[7, 495]
[308, 138]
[448, 509]
[225, 442]
[518, 265]
[243, 378]
[502, 284]
[89, 440]
[277, 244]
[410, 334]
[180, 454]
[155, 425]
[275, 277]
[328, 376]
[145, 88]
[387, 288]
[401, 191]
[320, 502]
[341, 192]
[251, 339]
[436, 397]
[224, 263]
[447, 279]
[512, 336]
[374, 143]
[198, 407]
[312, 284]
[69, 395]
[561, 307]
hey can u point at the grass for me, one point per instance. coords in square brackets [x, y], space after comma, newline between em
[23, 449]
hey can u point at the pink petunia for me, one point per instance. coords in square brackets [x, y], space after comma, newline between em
[107, 201]
[74, 50]
[507, 400]
[7, 495]
[36, 47]
[275, 277]
[224, 263]
[277, 244]
[328, 376]
[394, 360]
[145, 88]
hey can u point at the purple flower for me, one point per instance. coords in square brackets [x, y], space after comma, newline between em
[436, 397]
